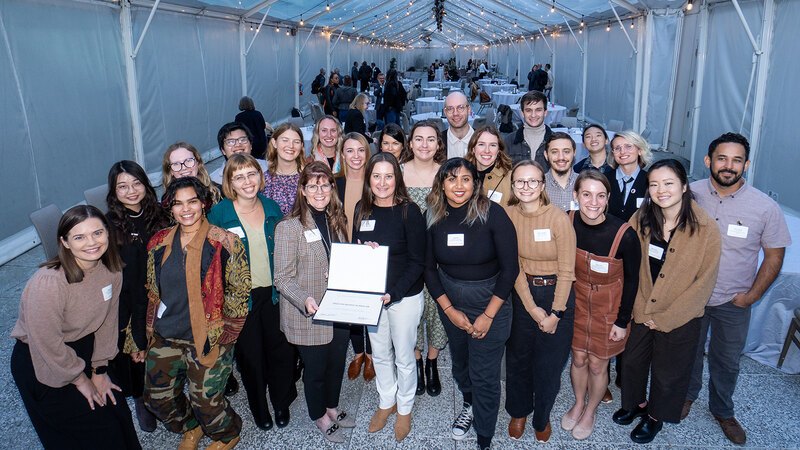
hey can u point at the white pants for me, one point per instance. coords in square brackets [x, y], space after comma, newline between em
[393, 342]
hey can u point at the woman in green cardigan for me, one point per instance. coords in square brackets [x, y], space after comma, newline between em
[264, 356]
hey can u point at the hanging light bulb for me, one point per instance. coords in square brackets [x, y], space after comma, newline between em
[327, 7]
[608, 27]
[553, 8]
[287, 32]
[301, 21]
[354, 26]
[582, 24]
[251, 27]
[689, 5]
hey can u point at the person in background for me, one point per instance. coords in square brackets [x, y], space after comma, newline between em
[595, 140]
[343, 97]
[387, 216]
[488, 152]
[630, 154]
[354, 74]
[470, 268]
[607, 277]
[303, 245]
[328, 91]
[285, 158]
[392, 140]
[234, 138]
[680, 259]
[319, 81]
[544, 302]
[529, 141]
[326, 143]
[66, 334]
[548, 87]
[134, 215]
[394, 97]
[560, 179]
[380, 107]
[253, 121]
[356, 121]
[182, 159]
[263, 355]
[365, 75]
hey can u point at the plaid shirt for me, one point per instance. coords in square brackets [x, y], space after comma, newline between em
[560, 196]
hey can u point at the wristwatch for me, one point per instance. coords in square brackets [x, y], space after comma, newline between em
[559, 314]
[99, 370]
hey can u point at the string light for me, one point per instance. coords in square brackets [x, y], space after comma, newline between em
[608, 27]
[251, 27]
[582, 24]
[301, 21]
[277, 29]
[553, 8]
[631, 24]
[327, 7]
[689, 5]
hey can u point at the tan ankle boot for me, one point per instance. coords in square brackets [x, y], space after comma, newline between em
[380, 417]
[402, 426]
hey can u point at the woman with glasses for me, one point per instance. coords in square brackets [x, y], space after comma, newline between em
[470, 268]
[392, 140]
[303, 245]
[182, 159]
[420, 162]
[487, 151]
[349, 186]
[541, 328]
[263, 355]
[134, 215]
[356, 121]
[630, 154]
[680, 246]
[607, 276]
[285, 158]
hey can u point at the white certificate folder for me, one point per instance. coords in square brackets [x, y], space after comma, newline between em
[356, 283]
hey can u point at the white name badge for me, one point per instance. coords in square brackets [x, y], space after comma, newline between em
[312, 235]
[237, 231]
[573, 205]
[541, 235]
[655, 251]
[495, 196]
[455, 240]
[367, 225]
[107, 292]
[161, 308]
[639, 202]
[598, 266]
[737, 231]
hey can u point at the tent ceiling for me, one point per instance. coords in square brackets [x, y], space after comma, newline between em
[409, 22]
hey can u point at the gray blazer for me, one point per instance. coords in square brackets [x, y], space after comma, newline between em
[301, 271]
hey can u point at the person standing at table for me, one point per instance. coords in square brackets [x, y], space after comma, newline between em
[488, 152]
[749, 222]
[254, 121]
[544, 303]
[380, 107]
[560, 179]
[630, 155]
[343, 97]
[680, 258]
[457, 110]
[328, 105]
[387, 216]
[263, 356]
[285, 158]
[470, 268]
[303, 246]
[394, 97]
[595, 140]
[326, 143]
[529, 141]
[365, 75]
[66, 334]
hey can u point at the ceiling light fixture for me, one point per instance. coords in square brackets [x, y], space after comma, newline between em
[301, 21]
[327, 7]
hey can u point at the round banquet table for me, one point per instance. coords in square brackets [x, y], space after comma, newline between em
[506, 97]
[492, 88]
[429, 104]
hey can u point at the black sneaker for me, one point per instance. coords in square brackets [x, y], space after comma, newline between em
[463, 422]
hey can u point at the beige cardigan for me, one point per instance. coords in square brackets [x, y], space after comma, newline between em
[687, 278]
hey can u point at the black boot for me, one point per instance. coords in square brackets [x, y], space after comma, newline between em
[232, 386]
[420, 377]
[432, 377]
[147, 420]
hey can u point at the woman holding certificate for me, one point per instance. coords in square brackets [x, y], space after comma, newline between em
[387, 216]
[302, 250]
[471, 265]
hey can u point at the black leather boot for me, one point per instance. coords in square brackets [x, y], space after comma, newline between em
[432, 377]
[420, 377]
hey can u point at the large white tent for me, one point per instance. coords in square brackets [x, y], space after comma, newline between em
[85, 83]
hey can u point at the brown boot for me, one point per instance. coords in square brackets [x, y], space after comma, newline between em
[516, 427]
[369, 369]
[733, 430]
[354, 370]
[380, 417]
[191, 439]
[402, 426]
[219, 445]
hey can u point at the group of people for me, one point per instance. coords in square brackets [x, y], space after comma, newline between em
[497, 245]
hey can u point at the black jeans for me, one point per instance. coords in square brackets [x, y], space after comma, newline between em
[535, 360]
[476, 362]
[359, 339]
[324, 369]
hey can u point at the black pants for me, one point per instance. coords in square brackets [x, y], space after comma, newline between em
[359, 339]
[265, 358]
[535, 360]
[62, 417]
[324, 369]
[668, 359]
[128, 374]
[476, 362]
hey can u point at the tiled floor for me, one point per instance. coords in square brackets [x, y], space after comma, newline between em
[768, 405]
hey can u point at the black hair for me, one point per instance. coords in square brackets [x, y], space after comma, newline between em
[734, 138]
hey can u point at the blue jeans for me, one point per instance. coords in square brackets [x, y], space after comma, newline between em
[392, 116]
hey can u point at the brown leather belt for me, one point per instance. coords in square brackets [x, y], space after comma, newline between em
[541, 281]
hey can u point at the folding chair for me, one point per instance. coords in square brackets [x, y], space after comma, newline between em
[96, 197]
[45, 220]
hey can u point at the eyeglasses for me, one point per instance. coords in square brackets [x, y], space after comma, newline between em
[459, 108]
[530, 184]
[240, 179]
[125, 188]
[178, 166]
[627, 148]
[313, 188]
[231, 142]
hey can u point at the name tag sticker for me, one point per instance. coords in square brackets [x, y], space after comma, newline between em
[598, 266]
[107, 292]
[161, 308]
[237, 231]
[655, 251]
[639, 202]
[367, 225]
[495, 196]
[312, 235]
[573, 205]
[541, 235]
[737, 231]
[455, 240]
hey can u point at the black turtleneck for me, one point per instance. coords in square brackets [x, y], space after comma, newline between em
[321, 220]
[482, 173]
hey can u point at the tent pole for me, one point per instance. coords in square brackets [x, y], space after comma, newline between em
[699, 78]
[242, 56]
[258, 30]
[647, 39]
[126, 23]
[759, 102]
[297, 70]
[146, 27]
[585, 73]
[328, 55]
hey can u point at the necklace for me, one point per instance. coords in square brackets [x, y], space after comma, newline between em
[255, 207]
[136, 216]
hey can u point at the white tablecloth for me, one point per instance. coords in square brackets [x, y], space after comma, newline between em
[770, 316]
[431, 91]
[506, 97]
[554, 113]
[436, 115]
[429, 104]
[492, 88]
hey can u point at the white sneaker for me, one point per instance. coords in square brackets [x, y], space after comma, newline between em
[463, 422]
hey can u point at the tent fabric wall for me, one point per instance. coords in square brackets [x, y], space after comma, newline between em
[63, 115]
[611, 76]
[662, 62]
[567, 70]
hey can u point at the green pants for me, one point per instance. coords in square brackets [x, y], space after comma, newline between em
[171, 363]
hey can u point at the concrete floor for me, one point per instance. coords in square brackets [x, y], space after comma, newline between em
[767, 402]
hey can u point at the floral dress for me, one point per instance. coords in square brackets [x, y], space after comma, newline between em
[282, 189]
